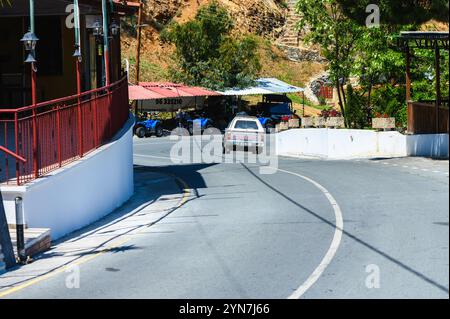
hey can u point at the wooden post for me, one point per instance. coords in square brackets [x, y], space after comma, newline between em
[138, 48]
[408, 75]
[438, 84]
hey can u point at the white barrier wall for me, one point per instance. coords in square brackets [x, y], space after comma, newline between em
[80, 193]
[347, 144]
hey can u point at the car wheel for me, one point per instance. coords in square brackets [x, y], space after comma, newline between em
[208, 130]
[269, 127]
[159, 131]
[140, 132]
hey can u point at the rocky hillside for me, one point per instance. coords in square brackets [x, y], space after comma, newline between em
[271, 21]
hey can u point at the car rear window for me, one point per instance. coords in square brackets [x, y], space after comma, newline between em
[245, 125]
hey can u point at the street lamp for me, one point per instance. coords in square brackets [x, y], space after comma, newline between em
[97, 29]
[115, 28]
[29, 41]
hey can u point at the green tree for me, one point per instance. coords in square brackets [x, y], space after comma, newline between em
[207, 54]
[356, 118]
[398, 12]
[336, 34]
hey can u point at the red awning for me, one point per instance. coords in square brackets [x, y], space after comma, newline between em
[137, 92]
[158, 90]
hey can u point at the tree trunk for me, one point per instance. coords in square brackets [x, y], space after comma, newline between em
[369, 94]
[341, 105]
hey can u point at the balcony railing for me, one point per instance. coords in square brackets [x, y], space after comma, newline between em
[35, 140]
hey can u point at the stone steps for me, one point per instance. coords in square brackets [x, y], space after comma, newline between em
[290, 35]
[37, 240]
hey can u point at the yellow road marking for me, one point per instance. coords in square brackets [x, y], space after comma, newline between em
[186, 195]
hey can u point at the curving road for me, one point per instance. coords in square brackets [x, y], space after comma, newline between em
[314, 229]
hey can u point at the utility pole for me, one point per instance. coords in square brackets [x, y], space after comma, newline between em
[138, 48]
[106, 40]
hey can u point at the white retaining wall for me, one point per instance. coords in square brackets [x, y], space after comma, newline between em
[347, 144]
[80, 193]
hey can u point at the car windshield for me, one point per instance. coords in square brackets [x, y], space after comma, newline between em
[246, 125]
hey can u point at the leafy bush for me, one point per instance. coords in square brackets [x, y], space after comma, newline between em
[389, 100]
[354, 109]
[207, 54]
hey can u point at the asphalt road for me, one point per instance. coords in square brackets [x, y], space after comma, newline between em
[242, 234]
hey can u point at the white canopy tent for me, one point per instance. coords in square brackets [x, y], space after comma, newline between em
[264, 86]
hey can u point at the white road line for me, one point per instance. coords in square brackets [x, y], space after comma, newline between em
[339, 227]
[152, 156]
[436, 172]
[152, 143]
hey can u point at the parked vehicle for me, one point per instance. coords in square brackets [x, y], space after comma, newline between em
[148, 128]
[200, 122]
[244, 132]
[274, 109]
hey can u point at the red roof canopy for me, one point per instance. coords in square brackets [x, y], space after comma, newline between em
[158, 90]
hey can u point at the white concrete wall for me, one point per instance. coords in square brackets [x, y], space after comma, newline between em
[428, 145]
[347, 144]
[80, 193]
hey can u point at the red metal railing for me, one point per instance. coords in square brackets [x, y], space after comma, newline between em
[36, 140]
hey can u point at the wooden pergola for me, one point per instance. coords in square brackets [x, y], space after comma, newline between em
[419, 119]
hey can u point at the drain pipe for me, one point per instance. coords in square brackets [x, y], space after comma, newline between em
[20, 231]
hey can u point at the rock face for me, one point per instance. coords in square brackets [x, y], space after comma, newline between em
[261, 17]
[161, 11]
[299, 54]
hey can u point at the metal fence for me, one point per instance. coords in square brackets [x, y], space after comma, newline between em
[36, 140]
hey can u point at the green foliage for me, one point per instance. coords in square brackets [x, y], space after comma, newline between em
[354, 109]
[398, 12]
[208, 55]
[390, 100]
[423, 75]
[333, 31]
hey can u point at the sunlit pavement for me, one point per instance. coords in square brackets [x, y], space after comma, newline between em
[242, 234]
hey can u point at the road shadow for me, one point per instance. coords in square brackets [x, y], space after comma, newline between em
[148, 182]
[358, 240]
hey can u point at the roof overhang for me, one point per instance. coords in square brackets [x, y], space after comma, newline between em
[264, 86]
[166, 90]
[20, 8]
[423, 39]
